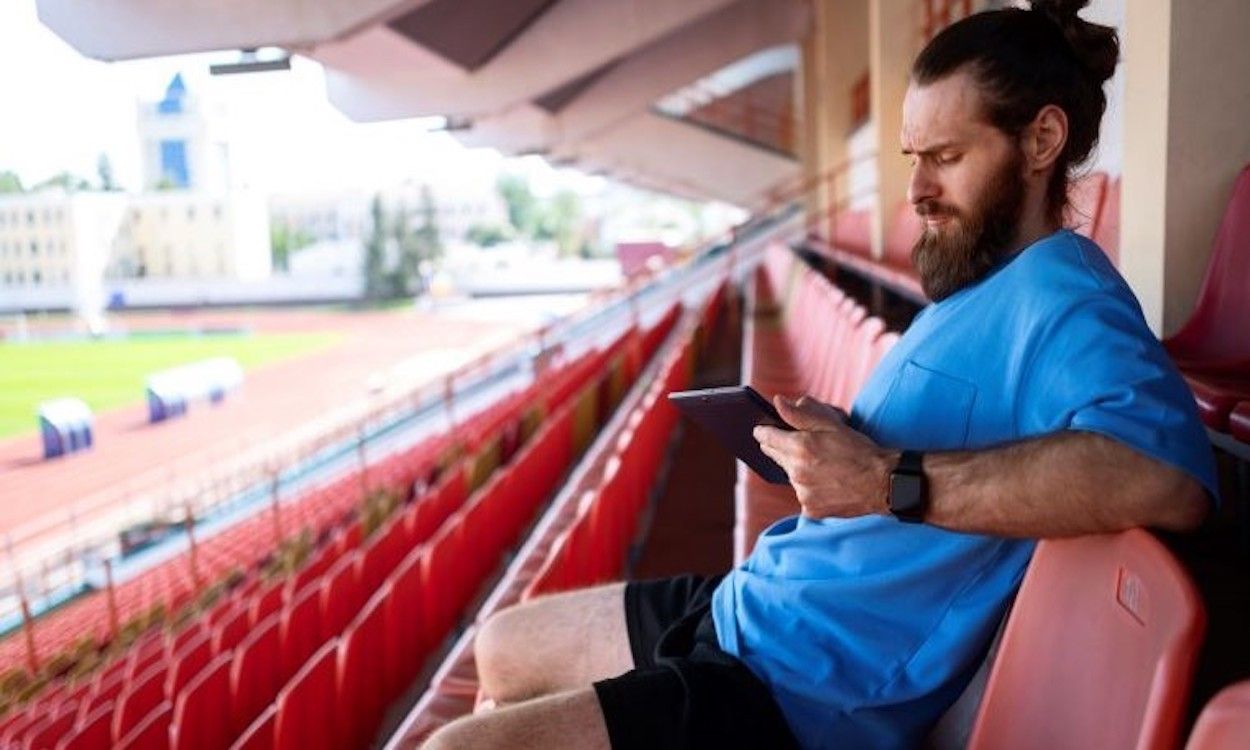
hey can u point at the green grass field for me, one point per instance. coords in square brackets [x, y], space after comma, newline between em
[111, 373]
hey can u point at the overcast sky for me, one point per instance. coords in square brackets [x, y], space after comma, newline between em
[60, 111]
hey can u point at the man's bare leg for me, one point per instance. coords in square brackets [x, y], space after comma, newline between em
[554, 644]
[570, 720]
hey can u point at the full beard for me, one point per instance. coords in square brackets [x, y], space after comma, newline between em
[963, 250]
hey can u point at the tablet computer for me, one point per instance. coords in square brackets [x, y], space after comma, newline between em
[730, 414]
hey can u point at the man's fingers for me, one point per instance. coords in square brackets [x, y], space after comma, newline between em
[807, 413]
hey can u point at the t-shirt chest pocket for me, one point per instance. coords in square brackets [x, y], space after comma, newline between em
[925, 410]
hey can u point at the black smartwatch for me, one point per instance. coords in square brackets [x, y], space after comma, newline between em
[909, 492]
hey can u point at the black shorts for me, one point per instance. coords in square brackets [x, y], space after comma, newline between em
[685, 692]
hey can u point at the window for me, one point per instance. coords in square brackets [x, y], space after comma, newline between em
[30, 218]
[190, 213]
[34, 247]
[35, 276]
[217, 211]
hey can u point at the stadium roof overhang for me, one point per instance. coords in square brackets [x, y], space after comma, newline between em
[577, 80]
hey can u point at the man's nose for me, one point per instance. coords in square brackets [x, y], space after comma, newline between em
[922, 186]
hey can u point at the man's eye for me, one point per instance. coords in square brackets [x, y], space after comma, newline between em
[944, 160]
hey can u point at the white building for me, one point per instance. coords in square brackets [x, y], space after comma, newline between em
[55, 245]
[180, 146]
[193, 235]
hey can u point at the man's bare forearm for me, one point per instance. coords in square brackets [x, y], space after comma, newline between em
[1066, 484]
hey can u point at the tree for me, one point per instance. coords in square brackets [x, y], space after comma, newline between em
[377, 285]
[563, 219]
[521, 203]
[285, 242]
[10, 183]
[66, 180]
[488, 235]
[417, 249]
[104, 169]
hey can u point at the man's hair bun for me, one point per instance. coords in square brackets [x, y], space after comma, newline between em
[1097, 48]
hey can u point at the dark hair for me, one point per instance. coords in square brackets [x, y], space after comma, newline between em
[1024, 60]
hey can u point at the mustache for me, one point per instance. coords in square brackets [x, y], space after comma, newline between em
[926, 209]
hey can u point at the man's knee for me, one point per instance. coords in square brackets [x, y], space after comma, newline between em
[499, 651]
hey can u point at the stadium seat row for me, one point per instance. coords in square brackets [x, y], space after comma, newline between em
[286, 622]
[584, 536]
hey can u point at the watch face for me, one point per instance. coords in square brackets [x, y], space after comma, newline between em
[906, 496]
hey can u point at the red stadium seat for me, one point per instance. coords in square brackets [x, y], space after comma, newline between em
[1239, 421]
[307, 714]
[259, 735]
[1214, 340]
[266, 603]
[1099, 649]
[362, 661]
[138, 699]
[93, 733]
[1225, 721]
[341, 595]
[404, 636]
[231, 630]
[202, 710]
[186, 663]
[50, 730]
[1217, 396]
[256, 674]
[151, 733]
[301, 629]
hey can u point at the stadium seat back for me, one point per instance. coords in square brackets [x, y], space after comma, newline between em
[259, 734]
[137, 700]
[202, 710]
[1224, 723]
[187, 662]
[302, 631]
[307, 715]
[1216, 330]
[256, 674]
[151, 733]
[93, 733]
[1098, 651]
[50, 730]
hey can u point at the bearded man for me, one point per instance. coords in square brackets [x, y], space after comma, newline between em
[1029, 400]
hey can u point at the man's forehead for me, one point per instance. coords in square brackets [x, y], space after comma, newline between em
[942, 111]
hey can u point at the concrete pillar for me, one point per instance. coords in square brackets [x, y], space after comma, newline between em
[1186, 106]
[834, 55]
[893, 41]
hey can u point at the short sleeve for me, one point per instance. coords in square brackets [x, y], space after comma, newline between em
[1098, 368]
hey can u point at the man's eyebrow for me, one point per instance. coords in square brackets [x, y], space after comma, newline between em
[936, 148]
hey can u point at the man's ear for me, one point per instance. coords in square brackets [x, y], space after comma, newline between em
[1044, 138]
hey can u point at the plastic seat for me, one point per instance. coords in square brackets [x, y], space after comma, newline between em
[187, 663]
[1214, 338]
[341, 594]
[256, 674]
[1239, 421]
[151, 733]
[259, 735]
[50, 730]
[361, 685]
[93, 733]
[138, 699]
[301, 630]
[1099, 649]
[307, 715]
[266, 603]
[1216, 396]
[1224, 723]
[200, 719]
[231, 631]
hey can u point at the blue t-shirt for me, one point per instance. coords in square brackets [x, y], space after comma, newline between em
[867, 629]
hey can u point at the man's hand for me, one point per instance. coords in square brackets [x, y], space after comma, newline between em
[835, 470]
